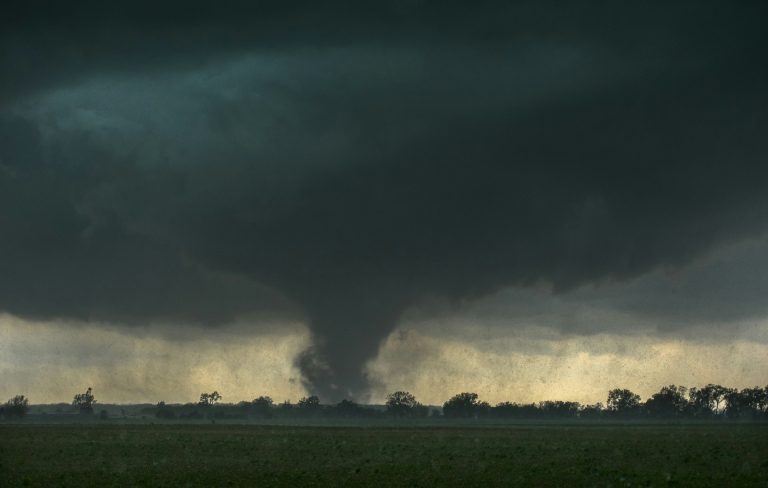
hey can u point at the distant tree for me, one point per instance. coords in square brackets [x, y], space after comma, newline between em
[420, 411]
[401, 404]
[559, 408]
[758, 398]
[670, 401]
[286, 408]
[465, 405]
[591, 411]
[722, 393]
[310, 404]
[622, 401]
[708, 400]
[506, 410]
[209, 399]
[262, 406]
[346, 408]
[84, 402]
[736, 404]
[163, 411]
[350, 409]
[762, 404]
[17, 406]
[747, 403]
[699, 404]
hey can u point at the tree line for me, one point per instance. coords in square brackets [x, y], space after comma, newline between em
[671, 402]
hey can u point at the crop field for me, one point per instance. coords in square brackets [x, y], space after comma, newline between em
[237, 455]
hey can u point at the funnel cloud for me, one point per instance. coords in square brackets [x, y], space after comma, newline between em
[200, 163]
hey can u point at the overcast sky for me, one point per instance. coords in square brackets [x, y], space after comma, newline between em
[288, 198]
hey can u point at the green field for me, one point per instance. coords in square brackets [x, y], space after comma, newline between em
[230, 455]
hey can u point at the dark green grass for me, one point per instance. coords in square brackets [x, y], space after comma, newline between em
[229, 455]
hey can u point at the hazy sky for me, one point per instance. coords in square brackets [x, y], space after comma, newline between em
[529, 201]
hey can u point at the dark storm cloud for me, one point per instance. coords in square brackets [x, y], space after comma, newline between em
[194, 164]
[716, 298]
[74, 243]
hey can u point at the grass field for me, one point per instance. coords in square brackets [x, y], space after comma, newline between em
[229, 455]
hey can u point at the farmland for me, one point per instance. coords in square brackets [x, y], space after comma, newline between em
[252, 455]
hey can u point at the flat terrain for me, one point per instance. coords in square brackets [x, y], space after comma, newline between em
[230, 455]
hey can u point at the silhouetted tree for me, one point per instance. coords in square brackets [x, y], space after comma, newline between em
[309, 405]
[262, 406]
[17, 406]
[309, 402]
[163, 411]
[708, 400]
[209, 399]
[346, 408]
[286, 408]
[622, 401]
[84, 402]
[747, 403]
[558, 408]
[350, 409]
[402, 404]
[722, 393]
[699, 404]
[591, 411]
[465, 405]
[736, 404]
[670, 401]
[757, 398]
[507, 410]
[422, 411]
